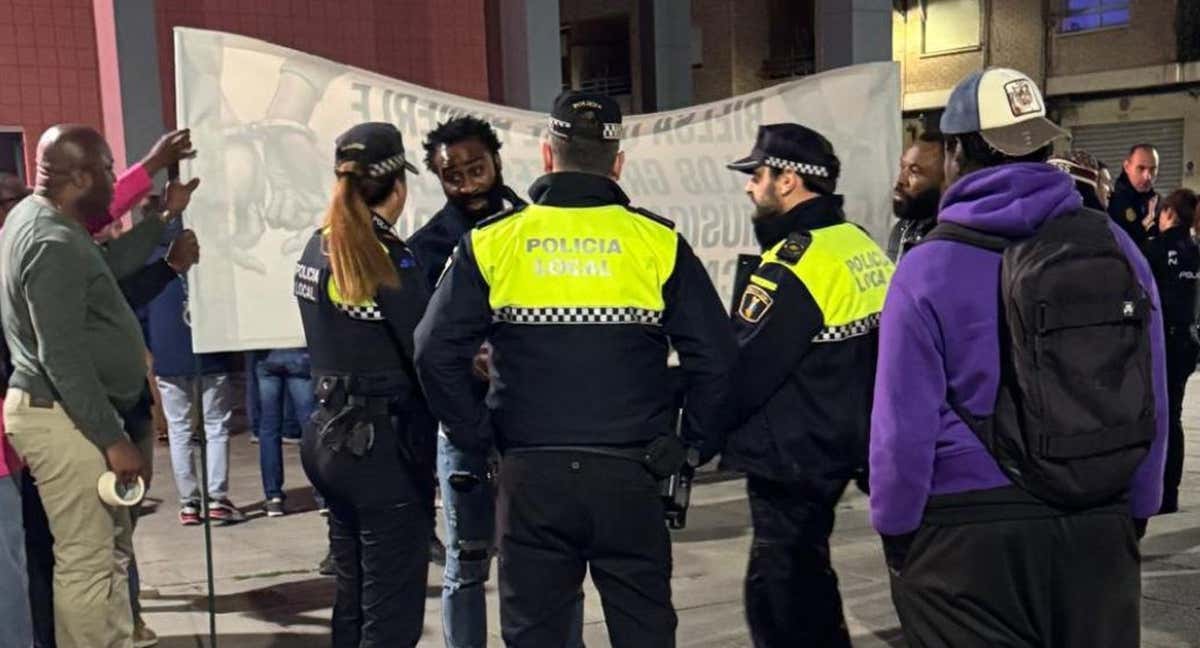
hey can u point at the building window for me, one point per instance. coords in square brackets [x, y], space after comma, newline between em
[790, 40]
[950, 26]
[1084, 15]
[596, 56]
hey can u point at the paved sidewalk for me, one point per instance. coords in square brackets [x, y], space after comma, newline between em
[270, 595]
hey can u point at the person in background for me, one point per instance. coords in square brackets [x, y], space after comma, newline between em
[175, 366]
[916, 194]
[1085, 171]
[1133, 204]
[1175, 260]
[280, 374]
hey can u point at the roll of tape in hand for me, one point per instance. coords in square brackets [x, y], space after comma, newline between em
[115, 494]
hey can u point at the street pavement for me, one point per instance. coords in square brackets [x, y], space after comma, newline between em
[269, 594]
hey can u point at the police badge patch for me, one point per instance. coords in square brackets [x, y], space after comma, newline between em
[755, 303]
[1130, 215]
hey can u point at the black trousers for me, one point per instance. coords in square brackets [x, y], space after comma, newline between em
[990, 569]
[1181, 362]
[380, 522]
[560, 513]
[791, 589]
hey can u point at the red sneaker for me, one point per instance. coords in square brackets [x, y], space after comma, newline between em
[189, 514]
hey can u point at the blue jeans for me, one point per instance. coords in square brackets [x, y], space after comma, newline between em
[291, 427]
[15, 616]
[218, 410]
[282, 373]
[469, 504]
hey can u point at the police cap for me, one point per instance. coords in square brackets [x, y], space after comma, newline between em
[377, 146]
[791, 146]
[585, 115]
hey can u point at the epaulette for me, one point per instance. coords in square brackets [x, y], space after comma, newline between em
[500, 215]
[652, 216]
[794, 247]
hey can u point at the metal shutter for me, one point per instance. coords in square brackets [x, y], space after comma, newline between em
[1111, 143]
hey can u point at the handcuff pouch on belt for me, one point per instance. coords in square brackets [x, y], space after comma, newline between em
[343, 422]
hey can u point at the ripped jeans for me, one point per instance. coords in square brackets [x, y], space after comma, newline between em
[469, 504]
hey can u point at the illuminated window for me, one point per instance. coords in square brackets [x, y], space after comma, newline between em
[1084, 15]
[950, 25]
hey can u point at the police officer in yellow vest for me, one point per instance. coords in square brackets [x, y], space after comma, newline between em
[369, 449]
[806, 323]
[581, 296]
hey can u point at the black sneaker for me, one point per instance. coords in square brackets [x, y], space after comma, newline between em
[326, 566]
[274, 507]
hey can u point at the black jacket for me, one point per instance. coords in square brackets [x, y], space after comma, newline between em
[433, 243]
[804, 384]
[560, 383]
[1127, 207]
[1175, 260]
[371, 342]
[905, 234]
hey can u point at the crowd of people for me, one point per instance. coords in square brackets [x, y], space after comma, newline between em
[1005, 380]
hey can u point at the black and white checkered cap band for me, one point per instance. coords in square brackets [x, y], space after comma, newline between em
[386, 166]
[578, 315]
[854, 329]
[611, 131]
[803, 168]
[367, 313]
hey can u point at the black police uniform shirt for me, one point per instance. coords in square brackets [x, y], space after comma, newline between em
[579, 295]
[435, 240]
[372, 340]
[1175, 260]
[1127, 207]
[807, 349]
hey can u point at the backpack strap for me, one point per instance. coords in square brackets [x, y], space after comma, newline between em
[947, 231]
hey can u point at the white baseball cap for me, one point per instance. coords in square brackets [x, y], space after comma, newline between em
[1005, 107]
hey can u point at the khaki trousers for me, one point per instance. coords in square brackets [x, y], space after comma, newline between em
[92, 541]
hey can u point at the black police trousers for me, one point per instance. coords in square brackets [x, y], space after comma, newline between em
[379, 527]
[791, 592]
[990, 568]
[560, 513]
[1181, 362]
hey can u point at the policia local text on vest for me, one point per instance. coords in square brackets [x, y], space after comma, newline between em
[581, 297]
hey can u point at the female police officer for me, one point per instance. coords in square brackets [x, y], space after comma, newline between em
[369, 449]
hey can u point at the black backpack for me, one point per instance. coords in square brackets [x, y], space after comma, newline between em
[1074, 415]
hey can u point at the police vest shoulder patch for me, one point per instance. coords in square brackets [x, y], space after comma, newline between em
[665, 222]
[794, 247]
[756, 301]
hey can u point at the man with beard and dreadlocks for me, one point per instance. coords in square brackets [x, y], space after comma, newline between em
[916, 194]
[807, 328]
[464, 153]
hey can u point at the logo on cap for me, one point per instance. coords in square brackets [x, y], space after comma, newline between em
[585, 103]
[1022, 97]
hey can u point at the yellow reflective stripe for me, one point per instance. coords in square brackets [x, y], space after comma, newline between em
[765, 283]
[575, 258]
[335, 295]
[846, 272]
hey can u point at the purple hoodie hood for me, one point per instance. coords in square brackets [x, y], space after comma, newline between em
[939, 333]
[1011, 200]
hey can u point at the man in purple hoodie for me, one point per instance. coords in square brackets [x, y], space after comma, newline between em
[976, 561]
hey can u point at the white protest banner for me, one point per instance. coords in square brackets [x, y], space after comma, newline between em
[264, 119]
